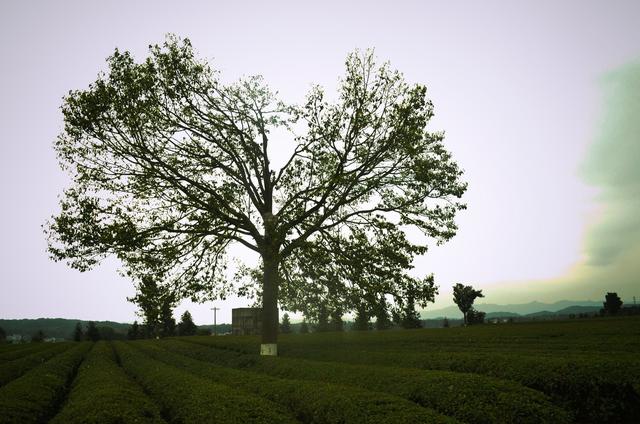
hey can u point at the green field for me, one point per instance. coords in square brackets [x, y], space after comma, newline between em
[583, 371]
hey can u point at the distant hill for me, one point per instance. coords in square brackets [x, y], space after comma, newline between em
[518, 309]
[54, 327]
[62, 328]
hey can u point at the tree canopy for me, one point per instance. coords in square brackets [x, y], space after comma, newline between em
[171, 167]
[612, 303]
[464, 296]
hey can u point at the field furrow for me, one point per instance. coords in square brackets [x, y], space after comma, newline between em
[38, 394]
[13, 369]
[103, 393]
[310, 402]
[466, 397]
[186, 398]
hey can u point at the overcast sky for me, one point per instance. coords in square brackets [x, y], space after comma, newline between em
[539, 101]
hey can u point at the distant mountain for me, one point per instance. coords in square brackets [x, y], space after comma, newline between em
[519, 309]
[501, 314]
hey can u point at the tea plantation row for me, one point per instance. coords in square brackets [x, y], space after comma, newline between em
[538, 373]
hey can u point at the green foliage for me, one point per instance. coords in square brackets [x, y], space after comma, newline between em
[78, 335]
[187, 327]
[3, 335]
[464, 296]
[93, 333]
[304, 327]
[38, 337]
[170, 167]
[381, 311]
[475, 317]
[134, 331]
[103, 394]
[54, 327]
[410, 318]
[285, 326]
[361, 323]
[467, 397]
[336, 323]
[34, 397]
[15, 351]
[191, 399]
[309, 402]
[612, 303]
[13, 369]
[156, 303]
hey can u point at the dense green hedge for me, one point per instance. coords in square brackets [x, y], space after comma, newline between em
[595, 390]
[34, 397]
[103, 394]
[18, 351]
[467, 397]
[310, 402]
[564, 360]
[189, 399]
[13, 369]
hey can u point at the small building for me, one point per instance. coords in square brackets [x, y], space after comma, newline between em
[246, 321]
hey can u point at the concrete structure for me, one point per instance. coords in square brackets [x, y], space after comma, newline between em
[246, 321]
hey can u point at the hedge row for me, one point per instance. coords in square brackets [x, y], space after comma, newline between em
[35, 397]
[23, 350]
[467, 397]
[310, 402]
[186, 398]
[103, 393]
[13, 369]
[595, 390]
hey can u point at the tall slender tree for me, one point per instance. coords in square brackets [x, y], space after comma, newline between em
[77, 332]
[170, 167]
[186, 326]
[285, 326]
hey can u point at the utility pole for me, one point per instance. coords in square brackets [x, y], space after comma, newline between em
[215, 323]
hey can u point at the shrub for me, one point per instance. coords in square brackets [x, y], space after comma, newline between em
[103, 394]
[34, 397]
[189, 399]
[22, 350]
[310, 402]
[14, 369]
[467, 397]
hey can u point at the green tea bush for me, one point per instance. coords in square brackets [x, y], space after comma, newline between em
[103, 394]
[186, 398]
[18, 351]
[35, 397]
[467, 397]
[594, 390]
[13, 369]
[310, 402]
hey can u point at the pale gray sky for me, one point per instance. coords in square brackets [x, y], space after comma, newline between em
[517, 86]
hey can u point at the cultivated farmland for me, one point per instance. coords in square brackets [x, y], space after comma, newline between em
[578, 371]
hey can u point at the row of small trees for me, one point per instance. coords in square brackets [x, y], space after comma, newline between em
[405, 317]
[163, 328]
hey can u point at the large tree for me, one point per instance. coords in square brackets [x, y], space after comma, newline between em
[171, 167]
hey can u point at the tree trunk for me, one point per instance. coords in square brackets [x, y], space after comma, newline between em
[270, 320]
